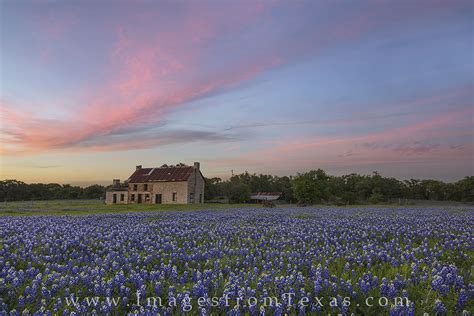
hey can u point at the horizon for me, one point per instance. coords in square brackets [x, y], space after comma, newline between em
[225, 178]
[89, 90]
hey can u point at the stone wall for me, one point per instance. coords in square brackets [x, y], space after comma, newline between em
[166, 189]
[120, 196]
[148, 192]
[196, 188]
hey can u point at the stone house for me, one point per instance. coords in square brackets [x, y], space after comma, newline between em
[117, 194]
[164, 185]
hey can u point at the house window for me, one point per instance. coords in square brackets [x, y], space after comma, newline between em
[135, 187]
[132, 197]
[175, 196]
[191, 196]
[145, 187]
[122, 197]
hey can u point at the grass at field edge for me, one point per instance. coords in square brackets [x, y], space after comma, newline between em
[90, 207]
[58, 210]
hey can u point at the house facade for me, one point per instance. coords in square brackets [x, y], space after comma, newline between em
[117, 194]
[163, 185]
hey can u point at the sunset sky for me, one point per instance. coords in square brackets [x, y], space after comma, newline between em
[89, 89]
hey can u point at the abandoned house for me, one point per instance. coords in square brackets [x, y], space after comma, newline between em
[164, 185]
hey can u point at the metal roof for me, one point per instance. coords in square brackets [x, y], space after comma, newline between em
[165, 174]
[269, 196]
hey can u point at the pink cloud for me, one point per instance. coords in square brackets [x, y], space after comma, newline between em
[426, 141]
[154, 70]
[151, 75]
[426, 129]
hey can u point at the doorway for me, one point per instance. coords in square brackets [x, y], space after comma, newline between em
[157, 198]
[139, 198]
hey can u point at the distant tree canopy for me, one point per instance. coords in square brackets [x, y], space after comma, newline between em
[14, 190]
[316, 186]
[172, 166]
[310, 187]
[238, 187]
[355, 188]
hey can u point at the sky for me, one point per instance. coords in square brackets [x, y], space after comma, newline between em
[90, 89]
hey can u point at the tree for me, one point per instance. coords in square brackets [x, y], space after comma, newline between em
[311, 187]
[237, 192]
[94, 192]
[463, 190]
[433, 190]
[283, 185]
[212, 188]
[14, 190]
[376, 196]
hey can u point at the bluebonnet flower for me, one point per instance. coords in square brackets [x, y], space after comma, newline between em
[462, 300]
[439, 308]
[241, 253]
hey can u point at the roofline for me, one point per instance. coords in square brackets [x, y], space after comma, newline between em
[201, 174]
[128, 180]
[162, 181]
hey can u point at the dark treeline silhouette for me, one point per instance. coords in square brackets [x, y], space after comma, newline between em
[14, 190]
[311, 187]
[316, 186]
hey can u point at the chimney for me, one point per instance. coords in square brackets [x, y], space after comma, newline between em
[139, 167]
[196, 165]
[116, 182]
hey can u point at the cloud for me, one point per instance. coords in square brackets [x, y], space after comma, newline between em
[160, 63]
[43, 167]
[429, 141]
[121, 138]
[416, 148]
[334, 122]
[151, 138]
[152, 73]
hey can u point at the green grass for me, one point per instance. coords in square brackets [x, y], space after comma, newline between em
[87, 207]
[301, 216]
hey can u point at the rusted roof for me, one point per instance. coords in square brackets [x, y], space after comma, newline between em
[161, 174]
[265, 196]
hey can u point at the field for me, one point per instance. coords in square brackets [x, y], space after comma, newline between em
[209, 261]
[87, 207]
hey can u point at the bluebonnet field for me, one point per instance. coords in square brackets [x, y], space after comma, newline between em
[358, 253]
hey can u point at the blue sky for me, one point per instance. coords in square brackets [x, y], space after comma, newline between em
[90, 90]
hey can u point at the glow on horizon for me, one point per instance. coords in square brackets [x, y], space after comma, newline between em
[89, 90]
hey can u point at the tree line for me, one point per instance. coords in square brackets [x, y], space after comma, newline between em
[14, 190]
[316, 186]
[311, 187]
